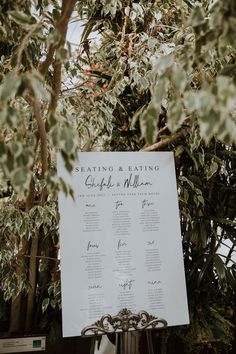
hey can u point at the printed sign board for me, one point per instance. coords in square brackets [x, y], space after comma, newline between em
[22, 345]
[120, 239]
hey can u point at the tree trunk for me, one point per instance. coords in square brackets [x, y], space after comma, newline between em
[33, 265]
[15, 320]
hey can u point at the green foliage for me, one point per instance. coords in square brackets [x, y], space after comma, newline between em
[158, 73]
[17, 228]
[54, 291]
[32, 131]
[164, 72]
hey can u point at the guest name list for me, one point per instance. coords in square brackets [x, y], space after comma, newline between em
[120, 239]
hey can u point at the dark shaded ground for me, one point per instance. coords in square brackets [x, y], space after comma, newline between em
[78, 345]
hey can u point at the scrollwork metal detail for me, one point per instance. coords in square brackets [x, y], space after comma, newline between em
[124, 321]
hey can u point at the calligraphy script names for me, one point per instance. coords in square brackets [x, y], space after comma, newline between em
[133, 180]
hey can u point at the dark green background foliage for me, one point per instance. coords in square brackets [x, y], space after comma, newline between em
[149, 75]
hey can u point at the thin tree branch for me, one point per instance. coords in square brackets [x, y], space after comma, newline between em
[43, 68]
[124, 27]
[56, 86]
[42, 135]
[189, 3]
[161, 131]
[75, 87]
[220, 240]
[228, 258]
[61, 26]
[42, 257]
[24, 44]
[165, 142]
[88, 145]
[126, 19]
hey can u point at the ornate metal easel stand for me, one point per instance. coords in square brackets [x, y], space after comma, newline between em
[123, 325]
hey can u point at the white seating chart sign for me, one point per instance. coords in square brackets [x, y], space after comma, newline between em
[120, 239]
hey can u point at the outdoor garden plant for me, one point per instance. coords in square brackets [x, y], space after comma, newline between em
[145, 75]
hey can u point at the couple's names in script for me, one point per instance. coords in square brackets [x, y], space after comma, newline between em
[132, 181]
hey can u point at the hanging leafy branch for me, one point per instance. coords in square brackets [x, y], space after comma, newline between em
[29, 97]
[148, 75]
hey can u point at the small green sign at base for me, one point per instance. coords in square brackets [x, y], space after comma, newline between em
[23, 344]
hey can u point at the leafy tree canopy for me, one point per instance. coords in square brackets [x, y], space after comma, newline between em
[147, 75]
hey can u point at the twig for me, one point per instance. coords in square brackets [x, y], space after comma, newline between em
[88, 145]
[124, 27]
[42, 257]
[61, 26]
[56, 86]
[162, 130]
[76, 86]
[220, 241]
[189, 3]
[24, 43]
[165, 142]
[42, 135]
[228, 258]
[130, 45]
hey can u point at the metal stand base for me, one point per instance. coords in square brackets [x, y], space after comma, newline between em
[126, 326]
[124, 321]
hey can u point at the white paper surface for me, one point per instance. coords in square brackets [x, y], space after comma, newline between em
[120, 239]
